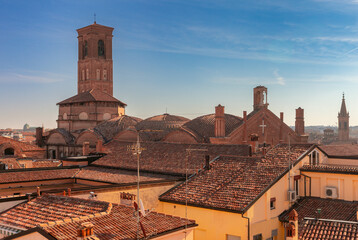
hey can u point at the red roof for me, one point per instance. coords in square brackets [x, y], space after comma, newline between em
[344, 150]
[50, 208]
[167, 158]
[330, 209]
[234, 183]
[93, 95]
[121, 223]
[313, 229]
[117, 176]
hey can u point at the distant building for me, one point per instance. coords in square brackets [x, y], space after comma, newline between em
[343, 122]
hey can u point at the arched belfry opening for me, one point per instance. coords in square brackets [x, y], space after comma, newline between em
[9, 152]
[260, 97]
[101, 48]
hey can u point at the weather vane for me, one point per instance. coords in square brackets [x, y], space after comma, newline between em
[94, 17]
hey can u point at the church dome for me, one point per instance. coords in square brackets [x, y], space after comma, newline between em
[157, 127]
[162, 122]
[204, 126]
[26, 127]
[108, 129]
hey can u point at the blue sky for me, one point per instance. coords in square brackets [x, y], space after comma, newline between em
[184, 57]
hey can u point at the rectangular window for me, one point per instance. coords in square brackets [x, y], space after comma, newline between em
[297, 187]
[232, 237]
[258, 237]
[272, 203]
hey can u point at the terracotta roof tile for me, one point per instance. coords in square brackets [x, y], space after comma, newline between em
[165, 158]
[330, 168]
[120, 223]
[93, 95]
[25, 176]
[157, 127]
[330, 209]
[313, 229]
[46, 163]
[11, 163]
[117, 176]
[203, 127]
[344, 150]
[108, 129]
[50, 208]
[233, 183]
[23, 146]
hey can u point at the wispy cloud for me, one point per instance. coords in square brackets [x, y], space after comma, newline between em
[31, 77]
[280, 80]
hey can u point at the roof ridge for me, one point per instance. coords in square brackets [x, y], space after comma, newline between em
[77, 219]
[330, 220]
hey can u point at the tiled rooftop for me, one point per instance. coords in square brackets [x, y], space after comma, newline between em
[313, 229]
[344, 150]
[26, 176]
[22, 149]
[203, 127]
[108, 129]
[331, 168]
[165, 158]
[46, 163]
[50, 208]
[91, 96]
[233, 183]
[118, 176]
[330, 209]
[120, 223]
[11, 163]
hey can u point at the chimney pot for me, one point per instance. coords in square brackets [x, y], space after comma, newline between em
[99, 146]
[219, 121]
[38, 191]
[207, 162]
[69, 192]
[85, 149]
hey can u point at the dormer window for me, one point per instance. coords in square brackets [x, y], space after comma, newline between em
[314, 158]
[100, 48]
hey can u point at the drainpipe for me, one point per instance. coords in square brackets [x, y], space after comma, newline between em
[248, 226]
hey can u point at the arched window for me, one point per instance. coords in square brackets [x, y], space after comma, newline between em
[100, 48]
[85, 49]
[9, 152]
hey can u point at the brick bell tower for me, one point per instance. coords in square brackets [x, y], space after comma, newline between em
[343, 122]
[260, 97]
[95, 65]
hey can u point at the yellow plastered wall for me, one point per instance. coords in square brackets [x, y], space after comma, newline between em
[213, 224]
[346, 184]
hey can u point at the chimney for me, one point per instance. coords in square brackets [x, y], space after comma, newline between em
[253, 142]
[38, 191]
[39, 136]
[300, 123]
[99, 146]
[207, 162]
[219, 121]
[85, 230]
[28, 195]
[244, 135]
[281, 127]
[292, 226]
[69, 192]
[85, 149]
